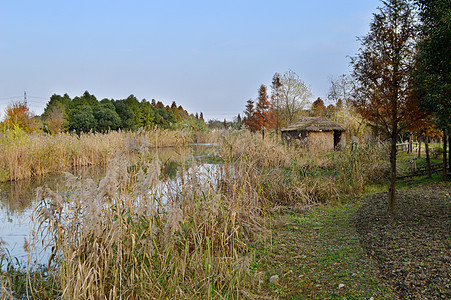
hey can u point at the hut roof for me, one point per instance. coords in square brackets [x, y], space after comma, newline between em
[314, 124]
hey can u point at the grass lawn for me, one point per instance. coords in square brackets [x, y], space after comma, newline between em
[317, 255]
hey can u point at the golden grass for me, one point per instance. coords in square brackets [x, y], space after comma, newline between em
[132, 236]
[25, 155]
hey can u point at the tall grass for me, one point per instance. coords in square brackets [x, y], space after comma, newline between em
[130, 236]
[25, 155]
[292, 175]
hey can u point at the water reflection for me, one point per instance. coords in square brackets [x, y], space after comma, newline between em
[17, 198]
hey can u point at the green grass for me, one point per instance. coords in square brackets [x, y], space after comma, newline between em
[314, 253]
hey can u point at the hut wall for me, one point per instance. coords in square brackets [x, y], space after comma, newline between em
[321, 141]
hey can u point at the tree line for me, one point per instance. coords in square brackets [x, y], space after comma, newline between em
[87, 114]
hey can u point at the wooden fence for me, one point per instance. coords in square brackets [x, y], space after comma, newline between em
[421, 171]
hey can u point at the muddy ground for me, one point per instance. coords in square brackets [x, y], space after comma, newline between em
[412, 245]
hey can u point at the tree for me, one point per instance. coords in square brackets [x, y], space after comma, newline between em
[433, 75]
[330, 111]
[263, 114]
[249, 119]
[126, 114]
[294, 96]
[341, 89]
[238, 122]
[383, 69]
[18, 114]
[318, 108]
[83, 120]
[106, 117]
[276, 87]
[54, 118]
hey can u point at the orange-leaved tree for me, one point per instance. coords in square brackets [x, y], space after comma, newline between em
[383, 69]
[18, 115]
[261, 116]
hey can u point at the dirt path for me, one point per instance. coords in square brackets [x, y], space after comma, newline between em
[412, 246]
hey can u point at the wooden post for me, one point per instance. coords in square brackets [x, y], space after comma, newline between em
[428, 159]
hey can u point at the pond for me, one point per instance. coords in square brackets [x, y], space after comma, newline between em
[17, 198]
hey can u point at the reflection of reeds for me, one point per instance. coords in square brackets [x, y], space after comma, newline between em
[28, 155]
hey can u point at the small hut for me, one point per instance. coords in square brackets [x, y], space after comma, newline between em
[316, 133]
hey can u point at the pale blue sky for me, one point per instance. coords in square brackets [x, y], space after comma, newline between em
[208, 56]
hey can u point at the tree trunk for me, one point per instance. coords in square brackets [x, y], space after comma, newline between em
[428, 159]
[419, 148]
[444, 156]
[392, 188]
[449, 154]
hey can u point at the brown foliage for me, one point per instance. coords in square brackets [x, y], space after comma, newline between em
[261, 116]
[383, 69]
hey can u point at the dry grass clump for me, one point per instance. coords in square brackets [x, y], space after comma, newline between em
[366, 164]
[36, 154]
[132, 236]
[286, 174]
[238, 146]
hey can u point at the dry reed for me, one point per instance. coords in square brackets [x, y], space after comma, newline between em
[25, 155]
[133, 236]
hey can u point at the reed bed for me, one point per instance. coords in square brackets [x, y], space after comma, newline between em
[25, 155]
[134, 237]
[290, 175]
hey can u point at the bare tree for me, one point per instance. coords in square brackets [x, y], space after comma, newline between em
[341, 89]
[294, 96]
[275, 98]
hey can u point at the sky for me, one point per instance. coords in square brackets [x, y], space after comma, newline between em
[208, 56]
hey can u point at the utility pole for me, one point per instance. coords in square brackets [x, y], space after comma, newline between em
[25, 98]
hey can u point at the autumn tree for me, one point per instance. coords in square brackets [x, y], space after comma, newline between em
[18, 115]
[330, 111]
[294, 97]
[382, 69]
[318, 108]
[54, 118]
[263, 114]
[249, 120]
